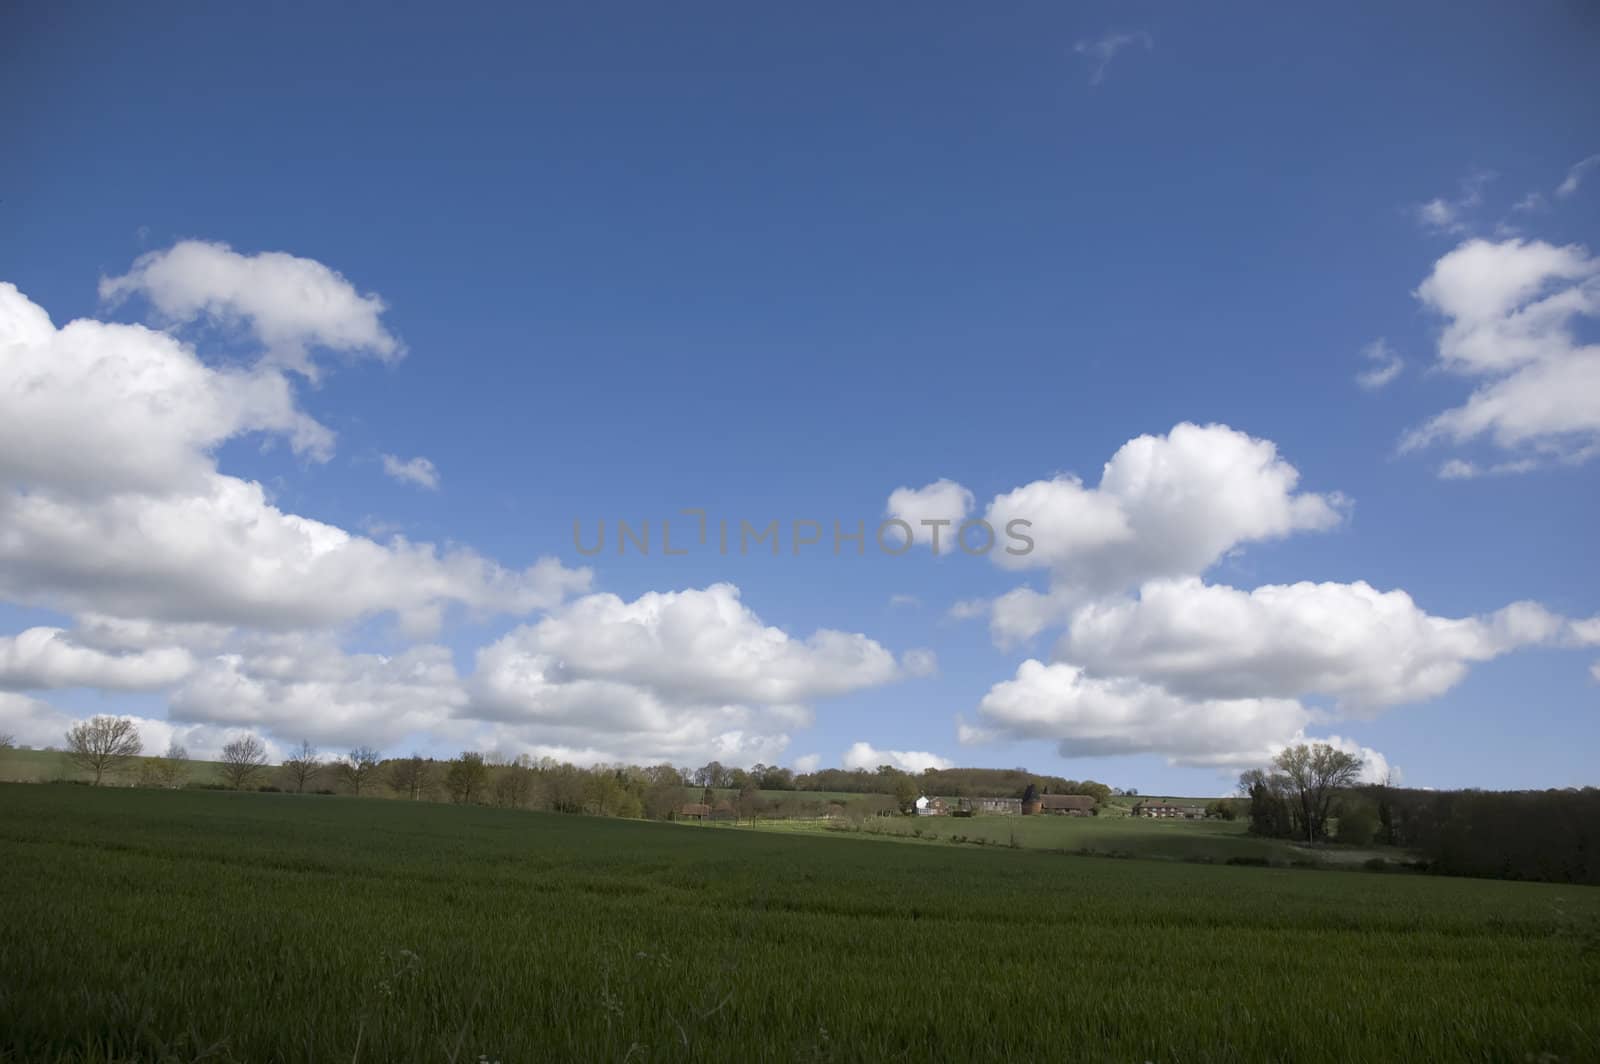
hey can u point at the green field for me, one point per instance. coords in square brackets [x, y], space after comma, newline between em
[35, 766]
[1183, 840]
[171, 925]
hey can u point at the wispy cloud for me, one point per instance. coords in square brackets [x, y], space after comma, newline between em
[1574, 178]
[1449, 215]
[1102, 51]
[1460, 469]
[1386, 365]
[967, 609]
[418, 471]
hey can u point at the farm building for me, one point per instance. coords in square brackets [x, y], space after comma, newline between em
[1067, 804]
[984, 806]
[693, 811]
[1157, 807]
[930, 806]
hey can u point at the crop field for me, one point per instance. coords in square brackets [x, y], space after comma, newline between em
[173, 925]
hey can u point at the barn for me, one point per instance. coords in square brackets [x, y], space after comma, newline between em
[1067, 804]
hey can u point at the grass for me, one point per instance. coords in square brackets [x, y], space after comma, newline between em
[152, 925]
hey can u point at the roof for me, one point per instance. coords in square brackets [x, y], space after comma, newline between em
[694, 809]
[1066, 801]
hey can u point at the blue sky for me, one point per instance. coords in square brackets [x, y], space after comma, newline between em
[779, 264]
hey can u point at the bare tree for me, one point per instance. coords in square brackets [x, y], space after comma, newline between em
[103, 744]
[7, 741]
[1315, 775]
[357, 768]
[243, 760]
[302, 766]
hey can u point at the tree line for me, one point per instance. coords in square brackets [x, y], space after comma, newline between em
[1312, 794]
[887, 779]
[1551, 835]
[107, 747]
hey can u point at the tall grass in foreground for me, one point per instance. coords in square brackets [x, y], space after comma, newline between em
[189, 926]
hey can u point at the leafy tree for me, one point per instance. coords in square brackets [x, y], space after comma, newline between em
[302, 766]
[712, 775]
[905, 793]
[566, 787]
[358, 767]
[169, 771]
[1270, 816]
[1222, 809]
[773, 777]
[749, 802]
[1358, 821]
[603, 792]
[103, 744]
[411, 777]
[628, 805]
[466, 777]
[513, 787]
[243, 759]
[1316, 774]
[662, 791]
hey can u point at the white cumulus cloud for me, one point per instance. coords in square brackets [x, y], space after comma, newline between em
[1367, 648]
[934, 512]
[679, 675]
[289, 304]
[111, 502]
[1088, 716]
[1165, 506]
[302, 686]
[92, 407]
[865, 755]
[44, 658]
[1510, 311]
